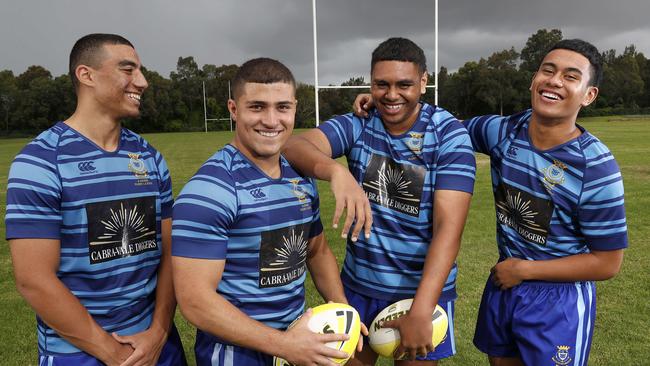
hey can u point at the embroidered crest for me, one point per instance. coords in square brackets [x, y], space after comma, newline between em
[561, 356]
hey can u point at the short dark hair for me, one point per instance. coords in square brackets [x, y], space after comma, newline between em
[261, 70]
[589, 51]
[399, 49]
[88, 51]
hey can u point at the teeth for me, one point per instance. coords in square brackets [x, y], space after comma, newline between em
[551, 95]
[393, 107]
[133, 96]
[268, 133]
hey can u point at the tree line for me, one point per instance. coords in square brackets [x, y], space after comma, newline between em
[498, 84]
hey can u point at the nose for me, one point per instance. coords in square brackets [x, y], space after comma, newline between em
[556, 80]
[140, 81]
[391, 93]
[271, 118]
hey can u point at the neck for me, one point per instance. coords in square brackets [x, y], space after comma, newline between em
[270, 165]
[546, 134]
[401, 128]
[99, 128]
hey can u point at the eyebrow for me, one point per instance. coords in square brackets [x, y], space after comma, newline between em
[569, 69]
[124, 63]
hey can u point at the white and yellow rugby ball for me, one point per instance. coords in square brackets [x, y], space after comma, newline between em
[333, 318]
[384, 341]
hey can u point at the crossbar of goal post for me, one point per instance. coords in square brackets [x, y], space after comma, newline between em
[205, 111]
[317, 87]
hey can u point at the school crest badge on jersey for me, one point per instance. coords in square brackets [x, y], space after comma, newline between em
[393, 185]
[121, 228]
[139, 169]
[415, 142]
[283, 255]
[553, 175]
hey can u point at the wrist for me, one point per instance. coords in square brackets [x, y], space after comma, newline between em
[524, 268]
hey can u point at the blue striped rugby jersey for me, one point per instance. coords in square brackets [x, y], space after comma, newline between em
[230, 210]
[400, 175]
[105, 209]
[555, 203]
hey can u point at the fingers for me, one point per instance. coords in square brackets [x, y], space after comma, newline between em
[123, 339]
[133, 360]
[368, 218]
[338, 211]
[359, 222]
[349, 218]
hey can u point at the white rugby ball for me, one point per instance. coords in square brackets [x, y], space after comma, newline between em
[333, 318]
[384, 341]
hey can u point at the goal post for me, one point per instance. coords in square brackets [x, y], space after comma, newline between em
[317, 86]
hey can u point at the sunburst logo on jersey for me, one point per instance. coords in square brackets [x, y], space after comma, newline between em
[392, 183]
[553, 174]
[519, 211]
[123, 226]
[561, 356]
[414, 143]
[291, 254]
[136, 166]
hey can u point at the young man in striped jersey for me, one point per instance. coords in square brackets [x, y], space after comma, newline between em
[414, 163]
[246, 228]
[560, 217]
[89, 223]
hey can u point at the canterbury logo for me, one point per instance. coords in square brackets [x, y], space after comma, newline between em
[86, 166]
[257, 193]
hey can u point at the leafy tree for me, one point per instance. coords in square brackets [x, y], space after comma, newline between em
[536, 48]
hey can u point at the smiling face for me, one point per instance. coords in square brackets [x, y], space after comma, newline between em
[119, 82]
[265, 115]
[561, 86]
[396, 89]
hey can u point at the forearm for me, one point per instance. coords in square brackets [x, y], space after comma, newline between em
[70, 319]
[165, 299]
[214, 314]
[310, 159]
[596, 266]
[438, 263]
[324, 272]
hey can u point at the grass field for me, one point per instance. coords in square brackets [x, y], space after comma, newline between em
[621, 335]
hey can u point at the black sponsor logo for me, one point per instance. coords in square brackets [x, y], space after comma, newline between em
[121, 228]
[395, 186]
[283, 255]
[528, 215]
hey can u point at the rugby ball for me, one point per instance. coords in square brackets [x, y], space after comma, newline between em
[384, 341]
[333, 318]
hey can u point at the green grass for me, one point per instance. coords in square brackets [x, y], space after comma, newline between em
[621, 336]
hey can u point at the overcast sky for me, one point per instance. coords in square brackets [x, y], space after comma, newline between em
[232, 31]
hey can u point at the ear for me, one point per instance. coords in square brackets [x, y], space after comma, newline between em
[590, 96]
[232, 108]
[85, 75]
[423, 82]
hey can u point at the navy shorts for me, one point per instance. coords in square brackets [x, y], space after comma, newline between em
[368, 309]
[543, 323]
[172, 354]
[212, 353]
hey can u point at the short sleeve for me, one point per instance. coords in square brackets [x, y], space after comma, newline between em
[602, 209]
[33, 196]
[166, 197]
[203, 213]
[485, 132]
[456, 164]
[341, 132]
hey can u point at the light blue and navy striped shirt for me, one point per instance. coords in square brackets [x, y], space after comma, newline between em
[554, 203]
[105, 209]
[230, 210]
[400, 175]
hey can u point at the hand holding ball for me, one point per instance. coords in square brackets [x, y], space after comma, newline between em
[384, 341]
